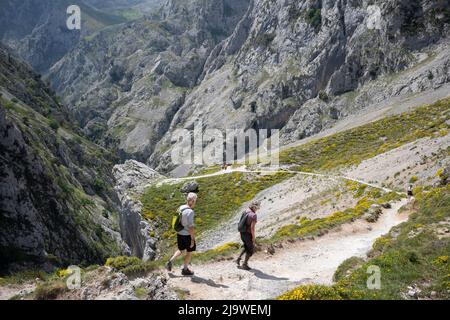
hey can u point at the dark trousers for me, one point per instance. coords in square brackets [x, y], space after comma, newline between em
[249, 248]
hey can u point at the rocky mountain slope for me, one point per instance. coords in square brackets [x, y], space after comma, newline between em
[57, 205]
[131, 80]
[290, 65]
[112, 5]
[37, 31]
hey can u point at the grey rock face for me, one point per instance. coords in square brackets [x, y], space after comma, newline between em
[289, 65]
[123, 4]
[106, 284]
[136, 78]
[56, 206]
[132, 177]
[37, 31]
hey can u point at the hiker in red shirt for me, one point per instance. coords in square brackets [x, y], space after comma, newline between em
[247, 230]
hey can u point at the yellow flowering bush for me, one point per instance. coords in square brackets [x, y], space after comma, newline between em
[312, 292]
[441, 260]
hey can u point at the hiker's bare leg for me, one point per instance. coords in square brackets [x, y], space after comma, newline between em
[187, 259]
[176, 255]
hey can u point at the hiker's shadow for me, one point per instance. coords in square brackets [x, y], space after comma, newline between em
[265, 276]
[208, 282]
[200, 280]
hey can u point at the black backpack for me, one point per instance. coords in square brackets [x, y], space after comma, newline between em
[177, 225]
[242, 226]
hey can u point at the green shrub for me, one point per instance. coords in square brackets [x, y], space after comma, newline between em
[323, 96]
[122, 262]
[50, 290]
[132, 266]
[312, 292]
[140, 293]
[22, 277]
[53, 123]
[100, 185]
[314, 18]
[8, 104]
[346, 267]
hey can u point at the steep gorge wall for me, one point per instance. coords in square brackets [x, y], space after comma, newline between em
[57, 206]
[238, 64]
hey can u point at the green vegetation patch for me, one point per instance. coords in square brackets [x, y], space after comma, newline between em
[353, 146]
[217, 254]
[219, 198]
[50, 290]
[315, 227]
[414, 253]
[19, 278]
[314, 18]
[132, 266]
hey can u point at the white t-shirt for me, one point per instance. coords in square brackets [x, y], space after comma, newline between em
[187, 219]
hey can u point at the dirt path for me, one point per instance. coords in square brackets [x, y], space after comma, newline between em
[226, 232]
[6, 293]
[313, 261]
[243, 170]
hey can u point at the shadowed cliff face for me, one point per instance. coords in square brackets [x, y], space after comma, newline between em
[57, 206]
[238, 64]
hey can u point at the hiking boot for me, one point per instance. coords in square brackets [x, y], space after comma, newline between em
[246, 267]
[238, 262]
[169, 266]
[187, 272]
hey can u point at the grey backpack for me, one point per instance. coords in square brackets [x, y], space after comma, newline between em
[242, 226]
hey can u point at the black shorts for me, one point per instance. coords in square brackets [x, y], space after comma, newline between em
[184, 243]
[248, 242]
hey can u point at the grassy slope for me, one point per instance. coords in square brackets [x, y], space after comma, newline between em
[306, 227]
[219, 198]
[315, 227]
[329, 153]
[411, 254]
[353, 146]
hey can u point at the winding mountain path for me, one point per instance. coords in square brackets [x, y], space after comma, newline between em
[244, 170]
[311, 261]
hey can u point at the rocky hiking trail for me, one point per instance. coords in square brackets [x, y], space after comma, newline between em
[226, 232]
[294, 264]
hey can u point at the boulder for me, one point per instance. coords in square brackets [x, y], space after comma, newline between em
[373, 214]
[191, 186]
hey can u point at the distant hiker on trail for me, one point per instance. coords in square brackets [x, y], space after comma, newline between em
[410, 191]
[184, 225]
[247, 229]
